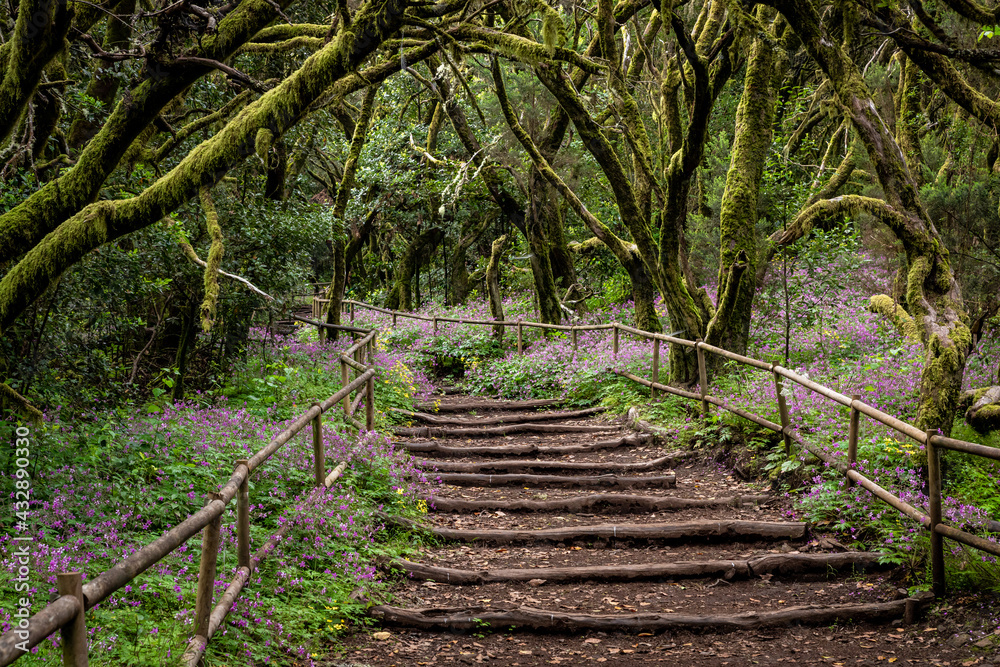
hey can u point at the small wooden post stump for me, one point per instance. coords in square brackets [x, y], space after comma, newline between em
[656, 366]
[370, 403]
[74, 633]
[206, 571]
[243, 519]
[319, 451]
[852, 437]
[702, 378]
[934, 511]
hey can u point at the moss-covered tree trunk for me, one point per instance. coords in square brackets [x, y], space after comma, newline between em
[185, 343]
[400, 296]
[493, 282]
[730, 328]
[458, 279]
[933, 294]
[539, 248]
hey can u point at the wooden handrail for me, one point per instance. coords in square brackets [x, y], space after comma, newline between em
[857, 406]
[65, 614]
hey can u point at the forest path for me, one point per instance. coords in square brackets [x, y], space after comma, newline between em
[583, 542]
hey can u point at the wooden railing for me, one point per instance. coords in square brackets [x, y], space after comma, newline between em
[67, 614]
[934, 444]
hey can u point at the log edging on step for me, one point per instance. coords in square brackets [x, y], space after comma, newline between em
[780, 564]
[490, 431]
[457, 618]
[535, 481]
[732, 528]
[500, 419]
[522, 450]
[594, 501]
[490, 405]
[512, 466]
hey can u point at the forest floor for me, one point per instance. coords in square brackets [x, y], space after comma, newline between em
[797, 611]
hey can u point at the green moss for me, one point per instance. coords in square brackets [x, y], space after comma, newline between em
[214, 263]
[941, 379]
[886, 306]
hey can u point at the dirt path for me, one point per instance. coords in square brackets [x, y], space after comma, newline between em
[694, 567]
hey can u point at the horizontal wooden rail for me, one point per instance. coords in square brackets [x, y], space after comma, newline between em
[65, 613]
[931, 521]
[326, 325]
[968, 447]
[39, 626]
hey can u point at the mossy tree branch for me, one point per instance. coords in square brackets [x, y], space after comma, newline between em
[276, 111]
[214, 263]
[29, 222]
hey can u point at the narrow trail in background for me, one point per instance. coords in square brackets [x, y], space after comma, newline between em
[544, 556]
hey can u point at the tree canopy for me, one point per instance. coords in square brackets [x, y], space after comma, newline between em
[677, 150]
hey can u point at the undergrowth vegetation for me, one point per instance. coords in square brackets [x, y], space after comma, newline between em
[107, 485]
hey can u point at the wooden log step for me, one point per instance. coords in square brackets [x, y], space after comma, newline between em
[724, 569]
[491, 431]
[469, 618]
[598, 501]
[500, 419]
[531, 466]
[526, 449]
[535, 481]
[682, 530]
[469, 406]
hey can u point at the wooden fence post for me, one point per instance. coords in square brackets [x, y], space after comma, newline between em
[435, 326]
[614, 346]
[319, 451]
[344, 381]
[702, 378]
[243, 519]
[852, 437]
[394, 319]
[352, 312]
[74, 633]
[656, 366]
[934, 493]
[206, 571]
[573, 335]
[520, 340]
[370, 403]
[779, 392]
